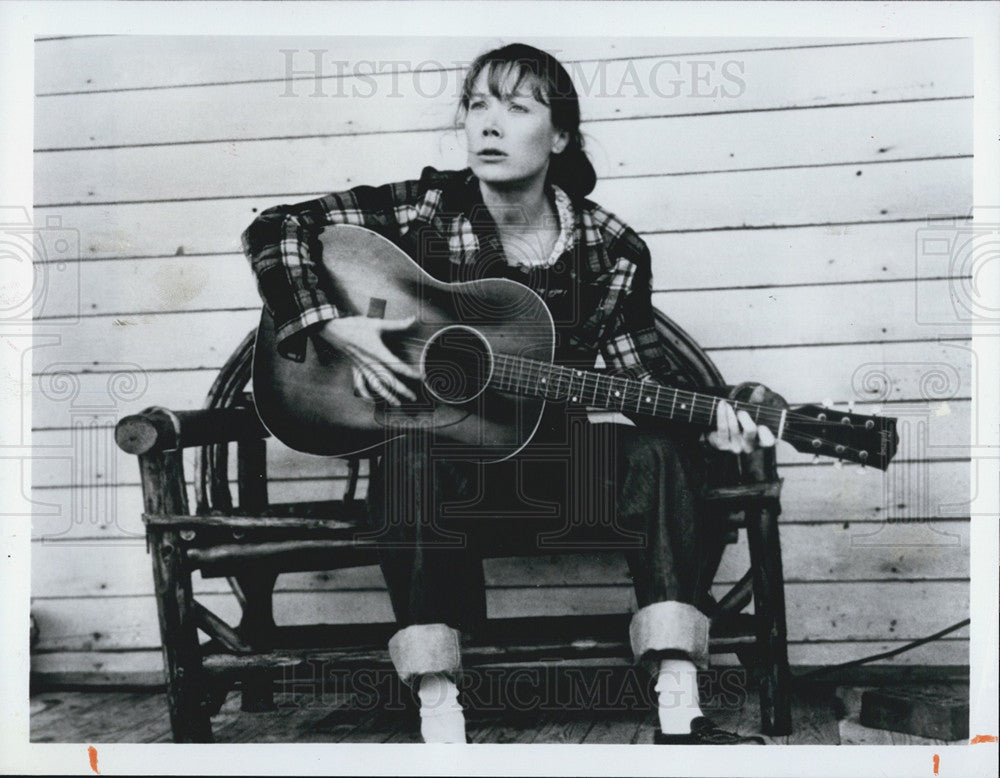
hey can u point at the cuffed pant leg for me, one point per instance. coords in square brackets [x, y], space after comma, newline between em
[668, 628]
[426, 648]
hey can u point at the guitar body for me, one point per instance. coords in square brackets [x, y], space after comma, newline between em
[312, 407]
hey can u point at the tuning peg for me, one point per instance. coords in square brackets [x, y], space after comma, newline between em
[827, 403]
[850, 406]
[839, 464]
[862, 470]
[814, 460]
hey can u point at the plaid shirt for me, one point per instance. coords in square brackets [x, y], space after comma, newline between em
[599, 291]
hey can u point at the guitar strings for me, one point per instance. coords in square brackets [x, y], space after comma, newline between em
[632, 389]
[700, 403]
[520, 369]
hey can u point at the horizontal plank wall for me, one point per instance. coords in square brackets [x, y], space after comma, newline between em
[785, 188]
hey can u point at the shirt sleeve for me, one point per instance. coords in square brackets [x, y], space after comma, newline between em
[281, 243]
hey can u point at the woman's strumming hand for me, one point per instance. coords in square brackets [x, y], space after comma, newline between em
[378, 373]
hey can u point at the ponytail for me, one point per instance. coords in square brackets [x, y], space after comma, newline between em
[572, 171]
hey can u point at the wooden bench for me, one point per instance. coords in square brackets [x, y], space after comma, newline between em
[252, 541]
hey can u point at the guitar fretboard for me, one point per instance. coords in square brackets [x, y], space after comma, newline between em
[557, 383]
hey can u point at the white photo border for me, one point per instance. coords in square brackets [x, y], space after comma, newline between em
[21, 22]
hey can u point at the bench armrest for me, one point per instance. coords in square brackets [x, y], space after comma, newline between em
[159, 429]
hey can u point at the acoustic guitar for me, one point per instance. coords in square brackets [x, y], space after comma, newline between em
[484, 349]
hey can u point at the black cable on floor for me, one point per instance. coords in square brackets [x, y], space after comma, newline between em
[884, 655]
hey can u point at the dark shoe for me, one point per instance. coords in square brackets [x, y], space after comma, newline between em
[704, 732]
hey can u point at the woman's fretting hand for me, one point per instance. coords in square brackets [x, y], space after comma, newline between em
[736, 432]
[377, 371]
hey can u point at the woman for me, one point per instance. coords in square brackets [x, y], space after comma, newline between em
[520, 211]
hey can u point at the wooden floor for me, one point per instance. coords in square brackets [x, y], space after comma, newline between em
[822, 714]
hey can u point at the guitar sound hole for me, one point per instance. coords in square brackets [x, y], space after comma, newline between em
[457, 364]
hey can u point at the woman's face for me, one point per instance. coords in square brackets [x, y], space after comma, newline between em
[509, 138]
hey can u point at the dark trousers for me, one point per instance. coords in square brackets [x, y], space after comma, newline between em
[586, 486]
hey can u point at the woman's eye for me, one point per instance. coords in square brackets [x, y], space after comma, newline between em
[476, 104]
[518, 108]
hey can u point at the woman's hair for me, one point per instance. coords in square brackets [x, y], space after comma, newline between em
[551, 85]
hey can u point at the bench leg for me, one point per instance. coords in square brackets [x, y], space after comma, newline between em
[256, 627]
[772, 632]
[189, 710]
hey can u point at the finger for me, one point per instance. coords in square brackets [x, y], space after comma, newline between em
[371, 380]
[389, 384]
[765, 436]
[748, 431]
[729, 429]
[715, 441]
[359, 384]
[377, 387]
[394, 363]
[364, 363]
[404, 369]
[382, 357]
[379, 353]
[390, 381]
[722, 420]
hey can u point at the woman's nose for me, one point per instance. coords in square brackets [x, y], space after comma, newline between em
[491, 125]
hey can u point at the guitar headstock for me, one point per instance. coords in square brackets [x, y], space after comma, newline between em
[855, 437]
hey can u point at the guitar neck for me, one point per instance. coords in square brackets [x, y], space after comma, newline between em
[556, 383]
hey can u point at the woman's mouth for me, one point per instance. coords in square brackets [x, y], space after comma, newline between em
[490, 154]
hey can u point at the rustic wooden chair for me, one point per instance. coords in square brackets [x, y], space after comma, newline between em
[253, 541]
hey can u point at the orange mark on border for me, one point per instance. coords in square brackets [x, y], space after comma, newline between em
[937, 763]
[983, 739]
[92, 753]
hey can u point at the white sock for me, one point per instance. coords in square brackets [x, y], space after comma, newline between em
[677, 695]
[441, 717]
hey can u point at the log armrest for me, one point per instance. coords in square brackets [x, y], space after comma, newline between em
[160, 429]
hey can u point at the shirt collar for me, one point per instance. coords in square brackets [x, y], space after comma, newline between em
[476, 210]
